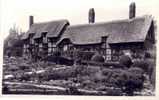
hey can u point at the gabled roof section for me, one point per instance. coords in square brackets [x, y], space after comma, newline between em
[119, 31]
[136, 31]
[52, 28]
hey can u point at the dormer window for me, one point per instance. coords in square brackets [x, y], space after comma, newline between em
[106, 48]
[65, 48]
[44, 37]
[51, 47]
[31, 40]
[104, 42]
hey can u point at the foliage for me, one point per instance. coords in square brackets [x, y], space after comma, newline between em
[86, 76]
[83, 55]
[59, 60]
[125, 60]
[123, 78]
[97, 58]
[147, 65]
[13, 43]
[56, 53]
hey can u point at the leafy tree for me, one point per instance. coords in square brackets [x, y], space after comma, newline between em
[13, 43]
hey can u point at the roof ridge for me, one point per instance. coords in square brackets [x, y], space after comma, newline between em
[111, 21]
[45, 22]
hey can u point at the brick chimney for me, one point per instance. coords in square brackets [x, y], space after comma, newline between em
[31, 20]
[132, 10]
[91, 15]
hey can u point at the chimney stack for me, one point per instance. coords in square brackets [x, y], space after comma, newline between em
[31, 21]
[91, 15]
[132, 10]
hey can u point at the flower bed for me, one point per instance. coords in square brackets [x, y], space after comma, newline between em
[77, 79]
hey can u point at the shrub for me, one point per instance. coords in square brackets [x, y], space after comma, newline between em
[83, 55]
[56, 53]
[141, 64]
[125, 60]
[59, 60]
[132, 79]
[24, 66]
[153, 79]
[134, 83]
[13, 68]
[146, 65]
[59, 73]
[136, 70]
[98, 58]
[107, 73]
[112, 92]
[98, 77]
[23, 77]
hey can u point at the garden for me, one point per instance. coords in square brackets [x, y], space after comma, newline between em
[95, 77]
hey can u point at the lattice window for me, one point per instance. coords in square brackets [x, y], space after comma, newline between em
[65, 47]
[49, 50]
[40, 45]
[108, 54]
[115, 55]
[40, 49]
[49, 44]
[44, 39]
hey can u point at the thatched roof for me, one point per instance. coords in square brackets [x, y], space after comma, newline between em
[52, 28]
[120, 31]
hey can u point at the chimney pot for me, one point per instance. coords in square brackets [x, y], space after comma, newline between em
[31, 20]
[132, 10]
[91, 15]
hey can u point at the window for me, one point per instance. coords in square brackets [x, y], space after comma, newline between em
[127, 52]
[115, 55]
[27, 50]
[32, 41]
[27, 46]
[65, 47]
[49, 44]
[40, 49]
[40, 45]
[49, 50]
[108, 51]
[108, 54]
[44, 39]
[108, 58]
[24, 46]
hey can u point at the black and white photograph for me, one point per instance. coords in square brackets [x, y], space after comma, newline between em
[79, 48]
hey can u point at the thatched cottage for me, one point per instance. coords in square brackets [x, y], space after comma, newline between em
[135, 34]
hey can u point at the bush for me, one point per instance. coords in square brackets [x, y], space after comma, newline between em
[13, 68]
[153, 79]
[134, 83]
[132, 79]
[23, 66]
[146, 65]
[59, 60]
[136, 71]
[125, 60]
[56, 53]
[64, 73]
[98, 58]
[141, 64]
[83, 55]
[23, 77]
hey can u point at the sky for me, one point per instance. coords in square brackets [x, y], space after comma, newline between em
[17, 12]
